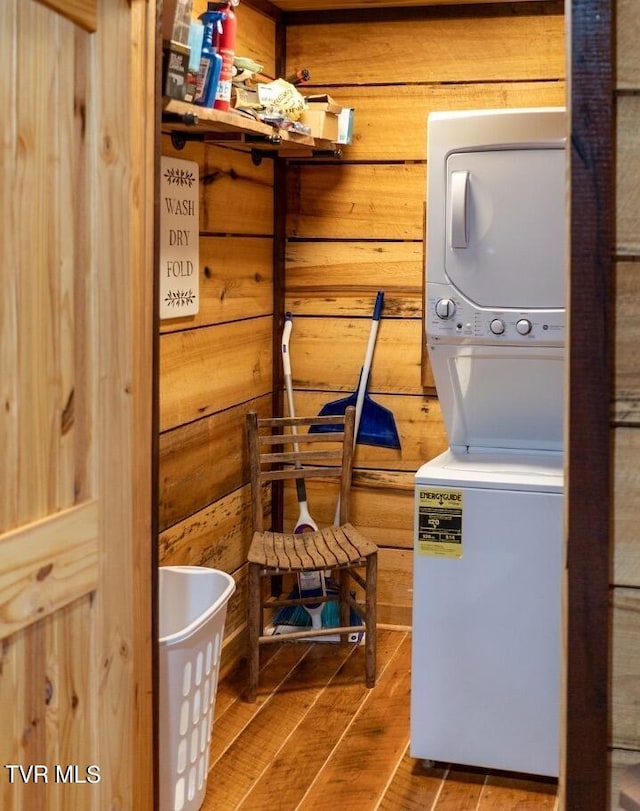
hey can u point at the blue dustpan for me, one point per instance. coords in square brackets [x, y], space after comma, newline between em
[375, 424]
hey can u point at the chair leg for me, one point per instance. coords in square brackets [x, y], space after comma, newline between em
[370, 611]
[345, 611]
[254, 624]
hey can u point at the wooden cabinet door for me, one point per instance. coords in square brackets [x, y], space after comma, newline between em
[76, 270]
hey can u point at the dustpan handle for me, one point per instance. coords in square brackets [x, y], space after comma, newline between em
[377, 309]
[368, 358]
[364, 377]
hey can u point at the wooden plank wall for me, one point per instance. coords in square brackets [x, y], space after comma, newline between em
[217, 365]
[356, 226]
[625, 573]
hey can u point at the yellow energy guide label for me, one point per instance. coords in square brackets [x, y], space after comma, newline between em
[439, 522]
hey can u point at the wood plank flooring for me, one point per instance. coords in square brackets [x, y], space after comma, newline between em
[316, 738]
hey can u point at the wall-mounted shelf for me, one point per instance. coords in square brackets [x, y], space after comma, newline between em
[188, 122]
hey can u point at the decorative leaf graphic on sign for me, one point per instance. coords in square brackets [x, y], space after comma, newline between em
[180, 298]
[180, 177]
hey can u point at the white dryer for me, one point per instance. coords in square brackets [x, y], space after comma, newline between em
[488, 512]
[495, 277]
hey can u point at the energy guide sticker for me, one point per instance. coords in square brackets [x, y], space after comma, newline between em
[440, 522]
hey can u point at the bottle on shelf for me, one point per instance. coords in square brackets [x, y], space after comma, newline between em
[210, 60]
[225, 43]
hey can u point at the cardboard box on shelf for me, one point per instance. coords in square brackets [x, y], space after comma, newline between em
[176, 20]
[176, 23]
[321, 116]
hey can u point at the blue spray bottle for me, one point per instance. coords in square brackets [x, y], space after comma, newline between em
[210, 60]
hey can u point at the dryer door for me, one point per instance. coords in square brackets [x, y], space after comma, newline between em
[505, 227]
[500, 396]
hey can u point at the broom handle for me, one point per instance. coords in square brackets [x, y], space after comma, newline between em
[305, 521]
[286, 365]
[364, 377]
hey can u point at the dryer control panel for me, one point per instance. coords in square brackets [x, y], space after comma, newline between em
[452, 319]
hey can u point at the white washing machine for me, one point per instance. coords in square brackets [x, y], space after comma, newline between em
[489, 511]
[487, 609]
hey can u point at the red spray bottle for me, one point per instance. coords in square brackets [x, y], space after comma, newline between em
[225, 46]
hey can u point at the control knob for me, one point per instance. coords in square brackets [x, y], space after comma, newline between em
[445, 308]
[497, 326]
[524, 326]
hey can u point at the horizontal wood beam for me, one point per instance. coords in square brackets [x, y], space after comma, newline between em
[82, 12]
[433, 10]
[46, 565]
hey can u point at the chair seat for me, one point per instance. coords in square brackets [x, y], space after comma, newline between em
[328, 548]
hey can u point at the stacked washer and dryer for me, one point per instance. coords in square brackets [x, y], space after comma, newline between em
[488, 560]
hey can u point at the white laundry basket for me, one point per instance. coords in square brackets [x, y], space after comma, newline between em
[193, 606]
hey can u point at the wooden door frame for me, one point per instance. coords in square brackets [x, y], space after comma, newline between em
[588, 467]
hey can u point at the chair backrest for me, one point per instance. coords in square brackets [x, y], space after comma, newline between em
[286, 448]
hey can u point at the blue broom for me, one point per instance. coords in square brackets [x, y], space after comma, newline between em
[310, 584]
[297, 615]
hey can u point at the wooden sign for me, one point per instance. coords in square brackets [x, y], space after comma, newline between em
[179, 238]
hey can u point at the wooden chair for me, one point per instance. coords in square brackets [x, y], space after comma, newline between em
[283, 449]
